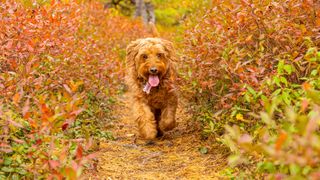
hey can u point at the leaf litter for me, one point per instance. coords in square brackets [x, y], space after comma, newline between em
[174, 156]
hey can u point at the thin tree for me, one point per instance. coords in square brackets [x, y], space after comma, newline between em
[145, 10]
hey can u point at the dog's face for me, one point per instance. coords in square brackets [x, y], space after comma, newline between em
[152, 63]
[151, 58]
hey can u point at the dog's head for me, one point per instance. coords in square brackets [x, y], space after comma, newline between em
[150, 59]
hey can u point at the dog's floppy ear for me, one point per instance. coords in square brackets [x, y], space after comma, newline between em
[168, 46]
[132, 51]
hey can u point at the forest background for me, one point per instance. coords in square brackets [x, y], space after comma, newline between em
[248, 72]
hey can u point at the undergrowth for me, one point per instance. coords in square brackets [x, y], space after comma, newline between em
[61, 67]
[252, 73]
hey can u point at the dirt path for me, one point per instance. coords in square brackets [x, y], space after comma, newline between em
[175, 156]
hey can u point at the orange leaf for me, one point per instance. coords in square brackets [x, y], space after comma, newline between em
[46, 112]
[304, 105]
[281, 139]
[71, 173]
[306, 86]
[16, 98]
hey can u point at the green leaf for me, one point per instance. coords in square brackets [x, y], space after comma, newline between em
[288, 68]
[234, 159]
[306, 170]
[267, 167]
[267, 119]
[203, 150]
[294, 169]
[280, 66]
[276, 92]
[21, 171]
[252, 91]
[314, 95]
[276, 80]
[285, 97]
[264, 98]
[314, 72]
[7, 161]
[284, 80]
[7, 169]
[15, 176]
[247, 98]
[211, 125]
[18, 159]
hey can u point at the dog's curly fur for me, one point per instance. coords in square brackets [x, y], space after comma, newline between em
[154, 112]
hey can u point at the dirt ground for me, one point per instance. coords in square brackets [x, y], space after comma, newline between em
[175, 156]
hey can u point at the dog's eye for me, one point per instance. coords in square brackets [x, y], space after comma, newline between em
[144, 56]
[160, 55]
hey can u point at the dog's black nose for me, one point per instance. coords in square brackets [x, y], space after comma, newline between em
[153, 70]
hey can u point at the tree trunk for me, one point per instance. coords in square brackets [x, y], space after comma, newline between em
[150, 11]
[141, 11]
[145, 10]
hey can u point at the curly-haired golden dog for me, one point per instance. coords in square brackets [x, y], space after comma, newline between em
[150, 79]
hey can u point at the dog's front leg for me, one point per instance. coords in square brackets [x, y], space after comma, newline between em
[146, 121]
[168, 121]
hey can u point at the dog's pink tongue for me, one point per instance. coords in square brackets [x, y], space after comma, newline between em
[153, 80]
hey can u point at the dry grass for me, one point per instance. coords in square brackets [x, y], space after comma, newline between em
[175, 156]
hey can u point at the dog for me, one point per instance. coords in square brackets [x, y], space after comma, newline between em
[150, 77]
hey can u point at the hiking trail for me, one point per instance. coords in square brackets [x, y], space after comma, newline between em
[174, 156]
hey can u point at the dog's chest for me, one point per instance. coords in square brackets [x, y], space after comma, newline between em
[157, 98]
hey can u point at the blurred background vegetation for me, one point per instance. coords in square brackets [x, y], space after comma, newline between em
[249, 72]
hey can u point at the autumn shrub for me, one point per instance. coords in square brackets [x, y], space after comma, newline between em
[244, 57]
[61, 64]
[286, 146]
[238, 45]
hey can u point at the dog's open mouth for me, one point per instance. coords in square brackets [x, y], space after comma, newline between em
[153, 81]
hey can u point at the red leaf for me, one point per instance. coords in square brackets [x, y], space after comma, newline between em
[38, 141]
[18, 140]
[25, 109]
[76, 112]
[67, 88]
[91, 156]
[9, 44]
[54, 164]
[79, 152]
[65, 126]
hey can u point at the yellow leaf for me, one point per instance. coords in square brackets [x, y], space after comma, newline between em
[239, 117]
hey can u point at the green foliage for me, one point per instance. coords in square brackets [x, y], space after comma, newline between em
[257, 74]
[167, 17]
[125, 7]
[288, 141]
[168, 12]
